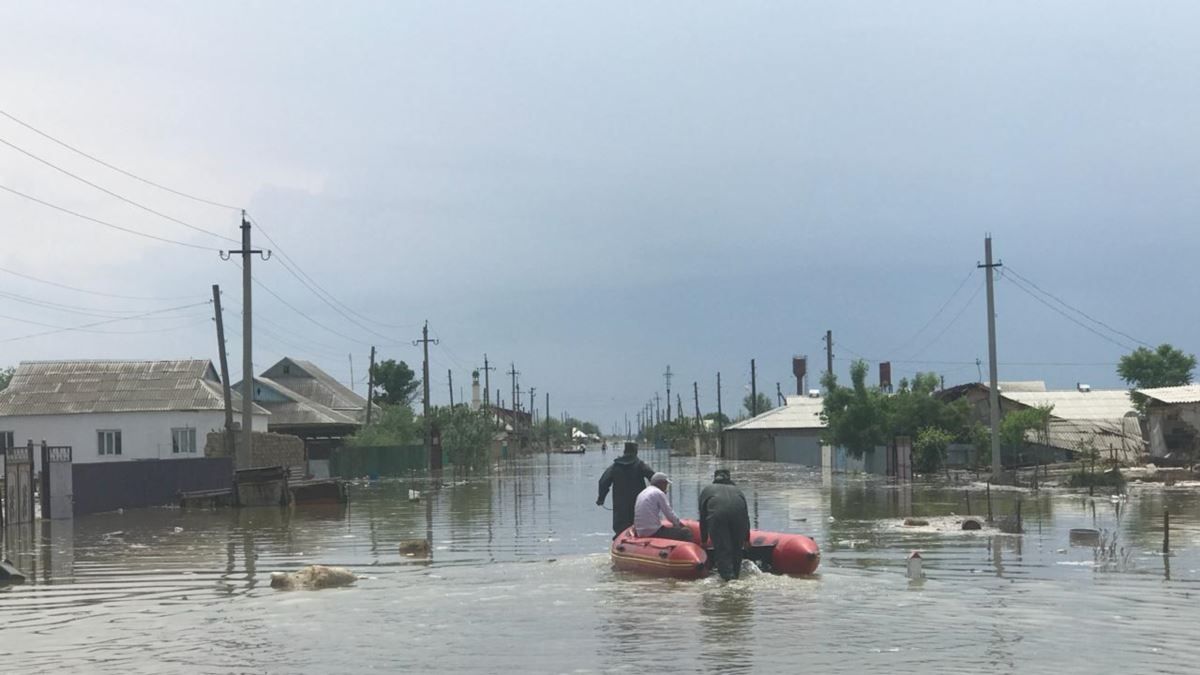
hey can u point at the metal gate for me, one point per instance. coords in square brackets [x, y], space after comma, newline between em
[58, 498]
[18, 485]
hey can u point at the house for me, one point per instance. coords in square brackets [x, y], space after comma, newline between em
[1081, 418]
[117, 411]
[790, 433]
[306, 402]
[1174, 416]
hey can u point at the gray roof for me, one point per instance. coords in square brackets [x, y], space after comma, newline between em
[1187, 393]
[78, 387]
[801, 412]
[1072, 404]
[299, 410]
[309, 381]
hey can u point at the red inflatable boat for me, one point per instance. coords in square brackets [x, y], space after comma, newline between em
[776, 552]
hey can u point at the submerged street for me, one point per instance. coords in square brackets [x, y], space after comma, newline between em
[520, 579]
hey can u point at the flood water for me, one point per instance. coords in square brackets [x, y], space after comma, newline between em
[520, 581]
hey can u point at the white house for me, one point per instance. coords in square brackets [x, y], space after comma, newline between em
[114, 411]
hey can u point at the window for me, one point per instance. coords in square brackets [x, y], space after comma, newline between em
[183, 441]
[109, 442]
[6, 440]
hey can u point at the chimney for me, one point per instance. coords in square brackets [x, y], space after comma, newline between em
[885, 376]
[799, 369]
[475, 400]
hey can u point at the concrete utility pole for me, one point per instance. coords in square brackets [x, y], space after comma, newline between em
[532, 402]
[753, 390]
[547, 422]
[370, 384]
[696, 400]
[428, 424]
[678, 406]
[829, 352]
[487, 379]
[667, 377]
[993, 384]
[230, 441]
[720, 414]
[658, 408]
[450, 384]
[242, 455]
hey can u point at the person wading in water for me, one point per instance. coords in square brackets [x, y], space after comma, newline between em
[725, 518]
[626, 477]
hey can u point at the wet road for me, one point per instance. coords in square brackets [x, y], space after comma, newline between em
[520, 581]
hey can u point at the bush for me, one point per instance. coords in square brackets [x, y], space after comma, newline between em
[1086, 479]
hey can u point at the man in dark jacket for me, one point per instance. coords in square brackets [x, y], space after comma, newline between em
[725, 517]
[626, 477]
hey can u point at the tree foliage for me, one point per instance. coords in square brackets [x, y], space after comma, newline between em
[1164, 366]
[930, 448]
[395, 425]
[397, 383]
[764, 403]
[466, 435]
[1016, 425]
[6, 376]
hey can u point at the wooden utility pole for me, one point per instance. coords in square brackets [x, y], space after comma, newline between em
[667, 377]
[242, 455]
[487, 379]
[532, 403]
[370, 385]
[230, 440]
[993, 384]
[829, 352]
[658, 408]
[678, 406]
[547, 422]
[753, 390]
[450, 385]
[696, 400]
[720, 414]
[427, 423]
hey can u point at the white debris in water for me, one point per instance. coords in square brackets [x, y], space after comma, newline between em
[178, 529]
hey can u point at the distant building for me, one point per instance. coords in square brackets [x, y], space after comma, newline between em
[1174, 416]
[790, 433]
[117, 411]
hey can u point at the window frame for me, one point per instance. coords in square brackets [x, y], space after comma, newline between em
[190, 435]
[105, 449]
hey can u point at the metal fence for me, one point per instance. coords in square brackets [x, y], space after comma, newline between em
[355, 462]
[109, 486]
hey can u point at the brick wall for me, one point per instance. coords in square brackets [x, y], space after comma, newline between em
[267, 450]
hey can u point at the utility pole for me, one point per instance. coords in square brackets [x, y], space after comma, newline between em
[450, 384]
[829, 352]
[696, 400]
[993, 385]
[658, 408]
[370, 385]
[667, 376]
[532, 404]
[230, 441]
[242, 459]
[753, 390]
[428, 424]
[547, 422]
[487, 379]
[779, 395]
[678, 407]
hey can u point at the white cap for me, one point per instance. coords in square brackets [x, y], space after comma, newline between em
[659, 477]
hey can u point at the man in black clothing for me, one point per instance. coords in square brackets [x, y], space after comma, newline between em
[725, 517]
[626, 477]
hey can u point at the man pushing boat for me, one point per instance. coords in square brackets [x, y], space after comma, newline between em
[725, 517]
[626, 477]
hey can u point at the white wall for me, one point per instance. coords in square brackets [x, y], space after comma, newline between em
[144, 435]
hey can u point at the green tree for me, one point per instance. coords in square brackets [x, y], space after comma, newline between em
[930, 448]
[854, 416]
[6, 376]
[1016, 425]
[466, 436]
[721, 419]
[1165, 366]
[395, 425]
[397, 382]
[764, 403]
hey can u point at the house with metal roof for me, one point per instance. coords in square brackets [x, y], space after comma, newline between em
[790, 433]
[113, 411]
[1174, 417]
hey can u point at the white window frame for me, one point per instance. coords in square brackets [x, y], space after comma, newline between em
[6, 440]
[108, 442]
[189, 433]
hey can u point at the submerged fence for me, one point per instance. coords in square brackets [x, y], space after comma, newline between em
[374, 461]
[108, 486]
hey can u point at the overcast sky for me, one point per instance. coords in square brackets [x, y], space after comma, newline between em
[593, 192]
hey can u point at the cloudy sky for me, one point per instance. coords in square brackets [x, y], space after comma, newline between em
[595, 191]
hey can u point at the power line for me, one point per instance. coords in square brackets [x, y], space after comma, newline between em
[68, 309]
[1012, 280]
[1009, 270]
[123, 198]
[86, 326]
[948, 326]
[936, 314]
[115, 168]
[91, 292]
[108, 224]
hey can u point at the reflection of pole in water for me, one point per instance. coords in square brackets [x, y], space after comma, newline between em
[997, 557]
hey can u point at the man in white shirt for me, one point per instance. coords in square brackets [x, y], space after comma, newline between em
[651, 507]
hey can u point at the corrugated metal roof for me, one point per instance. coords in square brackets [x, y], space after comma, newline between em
[801, 412]
[299, 410]
[77, 387]
[1021, 385]
[1188, 393]
[1073, 404]
[309, 381]
[1119, 439]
